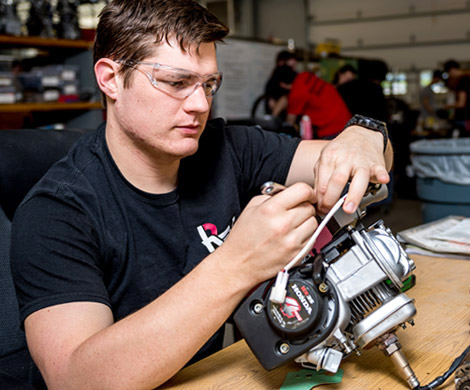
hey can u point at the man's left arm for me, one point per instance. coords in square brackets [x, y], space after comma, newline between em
[356, 155]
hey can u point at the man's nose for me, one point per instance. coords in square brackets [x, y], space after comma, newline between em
[197, 100]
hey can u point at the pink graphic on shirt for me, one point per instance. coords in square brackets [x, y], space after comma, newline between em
[210, 237]
[211, 227]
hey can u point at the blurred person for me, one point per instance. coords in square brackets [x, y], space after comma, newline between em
[279, 84]
[321, 102]
[459, 82]
[286, 58]
[363, 95]
[277, 98]
[428, 104]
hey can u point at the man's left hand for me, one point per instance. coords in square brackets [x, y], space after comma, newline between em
[355, 155]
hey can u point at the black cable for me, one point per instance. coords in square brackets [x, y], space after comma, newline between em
[441, 379]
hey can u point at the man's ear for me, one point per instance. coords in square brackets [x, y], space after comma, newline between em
[106, 71]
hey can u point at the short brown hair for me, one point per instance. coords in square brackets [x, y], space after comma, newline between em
[126, 28]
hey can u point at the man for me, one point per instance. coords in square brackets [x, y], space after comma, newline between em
[277, 91]
[459, 82]
[321, 102]
[428, 112]
[279, 84]
[146, 237]
[363, 95]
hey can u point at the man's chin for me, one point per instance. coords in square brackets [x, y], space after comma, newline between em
[189, 150]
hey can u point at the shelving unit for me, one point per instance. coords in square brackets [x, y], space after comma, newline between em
[39, 42]
[60, 51]
[41, 107]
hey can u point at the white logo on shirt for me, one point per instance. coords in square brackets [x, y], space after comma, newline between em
[213, 240]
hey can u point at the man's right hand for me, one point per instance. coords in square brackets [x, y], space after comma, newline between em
[270, 232]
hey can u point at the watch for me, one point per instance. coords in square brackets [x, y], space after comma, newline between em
[371, 124]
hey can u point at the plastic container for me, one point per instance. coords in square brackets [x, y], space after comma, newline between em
[306, 131]
[442, 168]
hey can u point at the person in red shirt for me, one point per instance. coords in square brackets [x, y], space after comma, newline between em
[320, 100]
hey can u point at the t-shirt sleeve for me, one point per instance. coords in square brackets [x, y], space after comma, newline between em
[54, 255]
[261, 156]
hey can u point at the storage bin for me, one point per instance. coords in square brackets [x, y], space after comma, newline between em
[442, 168]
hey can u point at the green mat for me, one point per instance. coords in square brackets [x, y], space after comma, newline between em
[306, 379]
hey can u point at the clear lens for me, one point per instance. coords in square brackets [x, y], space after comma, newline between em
[180, 83]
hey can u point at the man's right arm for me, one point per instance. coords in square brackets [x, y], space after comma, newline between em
[78, 346]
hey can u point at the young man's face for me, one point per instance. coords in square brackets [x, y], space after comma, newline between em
[161, 124]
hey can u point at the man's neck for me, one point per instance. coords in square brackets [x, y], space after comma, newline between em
[147, 171]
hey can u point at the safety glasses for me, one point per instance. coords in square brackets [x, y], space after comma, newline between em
[179, 83]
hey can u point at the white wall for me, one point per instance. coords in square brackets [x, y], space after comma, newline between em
[246, 67]
[406, 34]
[282, 19]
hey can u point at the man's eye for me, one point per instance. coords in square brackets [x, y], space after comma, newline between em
[175, 84]
[210, 85]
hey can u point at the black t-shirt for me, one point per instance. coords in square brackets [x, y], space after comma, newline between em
[84, 233]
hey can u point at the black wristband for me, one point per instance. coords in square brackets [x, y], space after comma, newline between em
[371, 124]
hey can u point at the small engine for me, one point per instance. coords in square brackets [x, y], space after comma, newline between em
[347, 298]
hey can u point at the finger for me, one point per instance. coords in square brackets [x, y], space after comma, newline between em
[323, 171]
[303, 232]
[257, 200]
[336, 185]
[298, 215]
[295, 195]
[357, 188]
[322, 177]
[380, 174]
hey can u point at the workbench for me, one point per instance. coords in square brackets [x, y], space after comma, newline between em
[441, 333]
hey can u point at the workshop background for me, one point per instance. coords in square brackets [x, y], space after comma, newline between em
[47, 81]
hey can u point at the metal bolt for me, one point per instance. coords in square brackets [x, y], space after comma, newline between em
[411, 322]
[284, 348]
[323, 288]
[258, 308]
